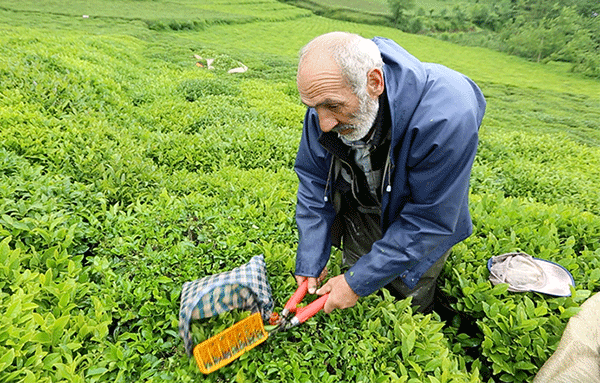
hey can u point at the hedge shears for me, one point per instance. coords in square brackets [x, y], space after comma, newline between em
[228, 345]
[302, 314]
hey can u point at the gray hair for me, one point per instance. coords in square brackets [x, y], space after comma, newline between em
[354, 54]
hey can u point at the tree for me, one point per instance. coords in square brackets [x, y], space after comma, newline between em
[398, 9]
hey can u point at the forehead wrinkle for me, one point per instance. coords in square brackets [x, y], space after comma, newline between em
[319, 86]
[322, 85]
[314, 97]
[317, 65]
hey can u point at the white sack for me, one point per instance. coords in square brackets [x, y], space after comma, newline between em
[577, 357]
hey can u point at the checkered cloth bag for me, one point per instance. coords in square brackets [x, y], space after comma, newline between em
[245, 287]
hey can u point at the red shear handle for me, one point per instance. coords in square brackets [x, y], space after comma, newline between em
[297, 297]
[307, 312]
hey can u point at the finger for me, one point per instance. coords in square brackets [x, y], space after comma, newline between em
[329, 305]
[300, 279]
[326, 288]
[312, 285]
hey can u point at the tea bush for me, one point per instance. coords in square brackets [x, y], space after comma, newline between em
[54, 325]
[127, 170]
[195, 89]
[519, 331]
[41, 211]
[548, 168]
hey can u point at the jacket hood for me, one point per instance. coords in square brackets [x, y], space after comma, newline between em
[405, 80]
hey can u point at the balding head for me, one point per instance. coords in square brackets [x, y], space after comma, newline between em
[325, 45]
[340, 75]
[353, 55]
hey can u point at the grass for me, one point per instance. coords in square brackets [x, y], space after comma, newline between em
[182, 10]
[370, 6]
[381, 6]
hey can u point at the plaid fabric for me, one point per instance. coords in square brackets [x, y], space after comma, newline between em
[245, 287]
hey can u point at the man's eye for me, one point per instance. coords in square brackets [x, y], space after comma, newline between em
[334, 107]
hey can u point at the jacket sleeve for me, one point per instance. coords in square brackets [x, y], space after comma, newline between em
[436, 159]
[314, 212]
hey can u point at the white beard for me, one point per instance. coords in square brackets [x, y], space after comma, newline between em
[362, 122]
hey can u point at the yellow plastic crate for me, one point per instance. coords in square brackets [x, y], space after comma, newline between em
[229, 344]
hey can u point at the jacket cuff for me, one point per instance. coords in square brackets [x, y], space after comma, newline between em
[309, 268]
[361, 284]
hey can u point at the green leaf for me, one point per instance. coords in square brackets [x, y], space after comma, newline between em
[58, 327]
[96, 371]
[42, 337]
[7, 358]
[523, 365]
[408, 342]
[436, 337]
[418, 370]
[569, 312]
[13, 309]
[164, 279]
[433, 364]
[14, 224]
[499, 289]
[322, 347]
[525, 340]
[540, 311]
[29, 377]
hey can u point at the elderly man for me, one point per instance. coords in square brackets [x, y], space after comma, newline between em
[384, 163]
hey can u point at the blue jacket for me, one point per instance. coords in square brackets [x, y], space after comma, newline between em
[436, 113]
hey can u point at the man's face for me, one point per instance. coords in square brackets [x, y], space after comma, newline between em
[363, 119]
[322, 87]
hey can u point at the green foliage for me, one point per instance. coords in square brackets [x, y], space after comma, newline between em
[566, 30]
[358, 11]
[162, 15]
[541, 31]
[53, 324]
[398, 9]
[546, 168]
[127, 170]
[554, 232]
[195, 89]
[41, 211]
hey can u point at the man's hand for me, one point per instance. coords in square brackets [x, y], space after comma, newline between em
[313, 283]
[341, 296]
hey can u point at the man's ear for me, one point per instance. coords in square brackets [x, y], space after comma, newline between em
[375, 83]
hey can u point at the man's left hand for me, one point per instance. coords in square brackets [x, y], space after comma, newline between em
[341, 296]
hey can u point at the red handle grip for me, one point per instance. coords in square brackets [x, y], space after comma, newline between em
[297, 297]
[313, 308]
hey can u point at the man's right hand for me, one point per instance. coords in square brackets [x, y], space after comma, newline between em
[313, 283]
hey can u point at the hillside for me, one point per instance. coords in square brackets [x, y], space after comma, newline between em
[128, 167]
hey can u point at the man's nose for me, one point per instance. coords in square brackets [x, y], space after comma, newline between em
[327, 120]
